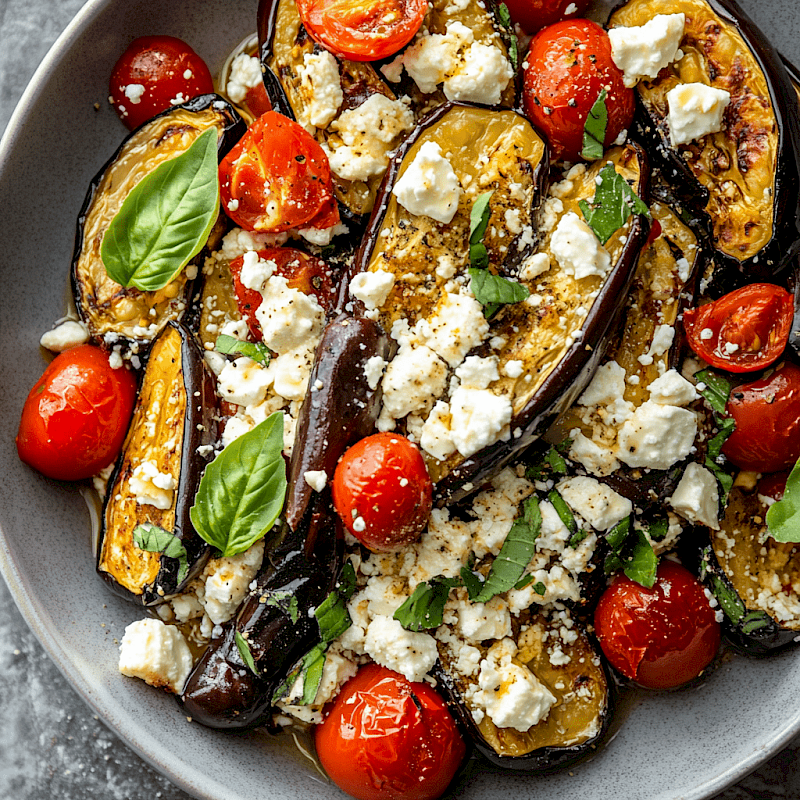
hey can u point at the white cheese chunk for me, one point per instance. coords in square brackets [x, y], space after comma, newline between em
[69, 333]
[244, 381]
[322, 85]
[656, 436]
[429, 186]
[672, 389]
[288, 317]
[594, 458]
[696, 497]
[695, 110]
[372, 288]
[597, 503]
[156, 653]
[457, 326]
[607, 386]
[407, 652]
[432, 57]
[415, 377]
[291, 372]
[151, 487]
[534, 266]
[436, 438]
[245, 74]
[577, 250]
[481, 78]
[478, 419]
[227, 580]
[477, 373]
[317, 479]
[373, 370]
[478, 622]
[643, 51]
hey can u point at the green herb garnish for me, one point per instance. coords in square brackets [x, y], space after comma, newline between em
[783, 517]
[478, 223]
[716, 391]
[505, 20]
[540, 589]
[425, 608]
[243, 646]
[153, 539]
[257, 351]
[594, 130]
[632, 553]
[286, 602]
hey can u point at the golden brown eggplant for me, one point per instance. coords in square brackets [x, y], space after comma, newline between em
[102, 304]
[167, 446]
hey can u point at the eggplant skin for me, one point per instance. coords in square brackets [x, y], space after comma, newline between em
[108, 309]
[175, 415]
[730, 176]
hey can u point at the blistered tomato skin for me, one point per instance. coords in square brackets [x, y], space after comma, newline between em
[382, 491]
[533, 15]
[76, 416]
[154, 73]
[661, 637]
[567, 66]
[767, 416]
[385, 738]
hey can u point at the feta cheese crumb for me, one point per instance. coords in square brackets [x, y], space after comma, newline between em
[597, 503]
[478, 419]
[656, 436]
[415, 377]
[151, 487]
[156, 653]
[672, 389]
[372, 288]
[696, 497]
[392, 646]
[316, 479]
[69, 333]
[436, 438]
[373, 370]
[245, 74]
[429, 186]
[643, 51]
[695, 110]
[319, 77]
[577, 250]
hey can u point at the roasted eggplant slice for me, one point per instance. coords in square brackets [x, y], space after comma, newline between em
[103, 305]
[581, 690]
[746, 177]
[755, 579]
[158, 472]
[222, 692]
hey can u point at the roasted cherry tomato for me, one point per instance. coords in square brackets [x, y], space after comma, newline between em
[774, 484]
[382, 491]
[767, 415]
[567, 66]
[386, 738]
[76, 416]
[303, 272]
[660, 637]
[277, 177]
[154, 73]
[744, 330]
[362, 31]
[533, 15]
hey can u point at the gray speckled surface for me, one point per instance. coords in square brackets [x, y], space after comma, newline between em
[51, 743]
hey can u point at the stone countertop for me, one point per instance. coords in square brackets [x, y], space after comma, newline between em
[52, 747]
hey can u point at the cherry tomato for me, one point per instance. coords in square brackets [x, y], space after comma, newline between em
[533, 15]
[660, 637]
[774, 484]
[767, 415]
[276, 177]
[303, 272]
[154, 73]
[362, 31]
[382, 491]
[567, 66]
[744, 330]
[386, 738]
[75, 418]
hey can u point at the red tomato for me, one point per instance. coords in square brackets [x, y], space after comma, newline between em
[276, 177]
[533, 15]
[386, 738]
[362, 31]
[660, 637]
[767, 415]
[75, 418]
[154, 73]
[382, 491]
[744, 330]
[774, 484]
[567, 66]
[303, 272]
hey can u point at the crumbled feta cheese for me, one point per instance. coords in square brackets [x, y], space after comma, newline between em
[607, 386]
[156, 653]
[151, 487]
[373, 370]
[245, 74]
[577, 250]
[244, 381]
[429, 186]
[478, 622]
[457, 326]
[415, 377]
[316, 479]
[436, 438]
[134, 92]
[372, 288]
[696, 497]
[534, 266]
[513, 368]
[69, 333]
[597, 503]
[672, 389]
[292, 370]
[319, 77]
[656, 436]
[288, 317]
[663, 337]
[432, 57]
[392, 646]
[643, 51]
[594, 458]
[227, 580]
[477, 373]
[478, 419]
[481, 78]
[322, 236]
[695, 110]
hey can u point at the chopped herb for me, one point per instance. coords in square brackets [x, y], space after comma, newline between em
[716, 391]
[493, 291]
[478, 223]
[332, 617]
[472, 582]
[577, 537]
[257, 351]
[425, 608]
[243, 646]
[658, 530]
[153, 539]
[563, 510]
[286, 602]
[313, 665]
[614, 201]
[783, 517]
[551, 462]
[632, 553]
[540, 589]
[594, 130]
[505, 20]
[525, 580]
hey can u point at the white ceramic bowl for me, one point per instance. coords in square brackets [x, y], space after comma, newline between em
[687, 744]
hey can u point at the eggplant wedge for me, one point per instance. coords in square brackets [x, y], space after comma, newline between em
[755, 579]
[158, 473]
[555, 342]
[581, 690]
[107, 308]
[745, 179]
[221, 691]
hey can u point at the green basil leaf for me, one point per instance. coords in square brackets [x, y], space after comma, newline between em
[726, 428]
[153, 539]
[783, 517]
[551, 462]
[242, 490]
[479, 256]
[165, 219]
[716, 389]
[504, 15]
[728, 599]
[540, 589]
[563, 510]
[333, 617]
[754, 621]
[243, 646]
[472, 583]
[577, 537]
[614, 201]
[594, 130]
[641, 565]
[257, 351]
[658, 530]
[492, 291]
[313, 665]
[425, 608]
[286, 602]
[347, 581]
[479, 217]
[516, 552]
[525, 580]
[618, 534]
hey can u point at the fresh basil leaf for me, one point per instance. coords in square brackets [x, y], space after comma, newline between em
[286, 602]
[479, 217]
[716, 389]
[754, 621]
[472, 583]
[504, 15]
[257, 351]
[313, 665]
[551, 462]
[563, 510]
[726, 428]
[492, 291]
[641, 564]
[425, 608]
[658, 530]
[153, 539]
[540, 589]
[728, 599]
[618, 534]
[516, 552]
[614, 201]
[594, 130]
[165, 219]
[332, 616]
[347, 581]
[479, 256]
[577, 537]
[525, 580]
[242, 490]
[243, 646]
[783, 517]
